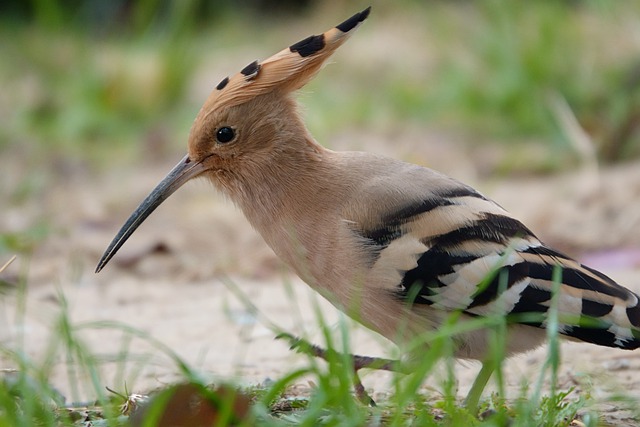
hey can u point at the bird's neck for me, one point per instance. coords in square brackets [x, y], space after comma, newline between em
[287, 197]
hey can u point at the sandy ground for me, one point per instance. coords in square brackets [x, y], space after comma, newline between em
[178, 278]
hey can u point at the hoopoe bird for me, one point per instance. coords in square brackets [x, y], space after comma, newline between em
[396, 246]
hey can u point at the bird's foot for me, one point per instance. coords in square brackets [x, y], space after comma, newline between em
[359, 362]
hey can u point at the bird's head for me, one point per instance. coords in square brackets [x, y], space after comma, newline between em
[246, 120]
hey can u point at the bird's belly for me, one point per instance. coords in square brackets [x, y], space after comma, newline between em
[416, 328]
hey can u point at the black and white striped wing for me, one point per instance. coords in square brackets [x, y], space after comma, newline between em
[471, 255]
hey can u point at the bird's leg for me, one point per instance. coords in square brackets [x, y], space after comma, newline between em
[359, 362]
[479, 384]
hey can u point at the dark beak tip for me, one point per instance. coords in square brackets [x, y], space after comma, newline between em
[101, 264]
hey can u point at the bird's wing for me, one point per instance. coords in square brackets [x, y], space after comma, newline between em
[454, 249]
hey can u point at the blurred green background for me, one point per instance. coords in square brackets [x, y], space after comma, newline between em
[92, 85]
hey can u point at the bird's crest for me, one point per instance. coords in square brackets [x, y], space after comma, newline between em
[287, 70]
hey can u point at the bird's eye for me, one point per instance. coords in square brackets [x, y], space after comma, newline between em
[225, 134]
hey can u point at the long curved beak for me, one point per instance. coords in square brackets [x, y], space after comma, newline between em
[181, 173]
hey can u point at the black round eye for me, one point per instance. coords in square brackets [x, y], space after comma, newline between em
[225, 134]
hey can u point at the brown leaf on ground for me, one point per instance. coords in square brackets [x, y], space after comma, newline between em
[191, 405]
